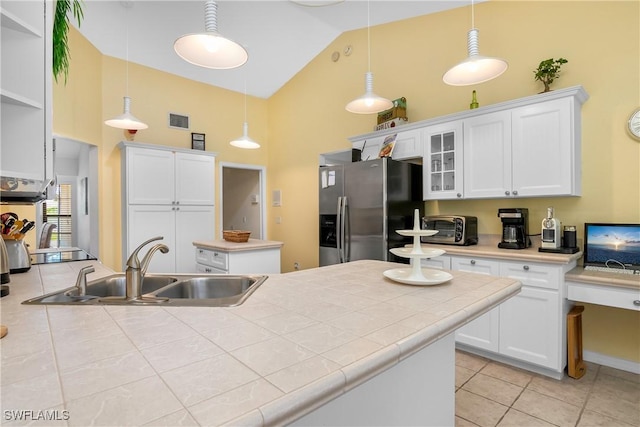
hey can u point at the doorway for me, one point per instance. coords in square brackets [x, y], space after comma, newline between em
[242, 203]
[72, 203]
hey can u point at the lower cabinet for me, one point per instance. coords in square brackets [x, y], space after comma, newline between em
[252, 261]
[179, 227]
[529, 327]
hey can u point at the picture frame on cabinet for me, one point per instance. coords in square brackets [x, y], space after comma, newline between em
[387, 146]
[197, 141]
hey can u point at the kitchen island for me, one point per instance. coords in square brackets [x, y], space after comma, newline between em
[306, 346]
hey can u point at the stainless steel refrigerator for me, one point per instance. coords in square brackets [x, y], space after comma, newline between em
[362, 204]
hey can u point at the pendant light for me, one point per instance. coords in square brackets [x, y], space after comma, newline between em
[476, 68]
[210, 49]
[244, 141]
[126, 120]
[368, 103]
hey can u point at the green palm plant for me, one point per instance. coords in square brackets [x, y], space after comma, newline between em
[61, 18]
[548, 71]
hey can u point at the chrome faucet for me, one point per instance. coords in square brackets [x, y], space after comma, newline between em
[81, 281]
[136, 270]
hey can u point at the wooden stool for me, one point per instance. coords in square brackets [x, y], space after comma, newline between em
[575, 365]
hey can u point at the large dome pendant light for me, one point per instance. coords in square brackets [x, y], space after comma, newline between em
[244, 141]
[126, 120]
[476, 68]
[368, 103]
[210, 49]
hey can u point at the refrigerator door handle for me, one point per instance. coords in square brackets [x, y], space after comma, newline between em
[346, 244]
[339, 242]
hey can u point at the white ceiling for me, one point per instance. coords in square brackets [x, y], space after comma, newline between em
[280, 36]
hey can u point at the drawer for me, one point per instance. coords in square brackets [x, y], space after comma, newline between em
[441, 263]
[532, 274]
[611, 296]
[212, 258]
[200, 268]
[476, 265]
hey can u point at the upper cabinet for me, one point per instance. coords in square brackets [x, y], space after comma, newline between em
[442, 164]
[528, 147]
[25, 89]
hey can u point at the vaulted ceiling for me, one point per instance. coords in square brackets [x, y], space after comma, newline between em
[281, 36]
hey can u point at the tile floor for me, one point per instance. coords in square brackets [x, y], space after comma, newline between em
[493, 394]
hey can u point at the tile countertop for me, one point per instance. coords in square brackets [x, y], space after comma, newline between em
[223, 245]
[301, 339]
[487, 247]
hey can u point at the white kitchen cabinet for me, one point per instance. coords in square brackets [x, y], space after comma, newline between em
[532, 323]
[167, 192]
[546, 154]
[528, 151]
[529, 328]
[408, 144]
[527, 147]
[442, 262]
[484, 331]
[442, 163]
[168, 177]
[26, 88]
[487, 151]
[254, 260]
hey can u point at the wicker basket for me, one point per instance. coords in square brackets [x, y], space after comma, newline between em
[237, 236]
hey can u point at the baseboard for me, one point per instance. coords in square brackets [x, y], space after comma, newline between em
[612, 362]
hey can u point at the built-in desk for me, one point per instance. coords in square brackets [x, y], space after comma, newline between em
[602, 288]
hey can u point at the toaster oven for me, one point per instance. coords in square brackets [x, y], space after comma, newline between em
[452, 229]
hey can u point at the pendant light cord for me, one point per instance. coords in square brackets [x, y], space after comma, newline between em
[473, 19]
[245, 100]
[126, 42]
[368, 36]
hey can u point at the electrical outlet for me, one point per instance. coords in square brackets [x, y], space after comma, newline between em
[296, 266]
[278, 220]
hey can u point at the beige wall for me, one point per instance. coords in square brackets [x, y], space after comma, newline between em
[307, 117]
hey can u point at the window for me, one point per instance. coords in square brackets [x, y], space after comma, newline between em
[58, 212]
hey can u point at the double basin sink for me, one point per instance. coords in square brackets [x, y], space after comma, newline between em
[201, 290]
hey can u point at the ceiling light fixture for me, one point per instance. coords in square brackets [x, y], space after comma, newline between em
[244, 141]
[126, 120]
[210, 49]
[476, 68]
[369, 102]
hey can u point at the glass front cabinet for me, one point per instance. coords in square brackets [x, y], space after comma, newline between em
[442, 162]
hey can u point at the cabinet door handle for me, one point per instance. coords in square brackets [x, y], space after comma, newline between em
[459, 195]
[515, 192]
[207, 270]
[473, 262]
[177, 202]
[506, 193]
[636, 302]
[525, 268]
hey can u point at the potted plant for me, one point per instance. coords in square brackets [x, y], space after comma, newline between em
[60, 32]
[548, 71]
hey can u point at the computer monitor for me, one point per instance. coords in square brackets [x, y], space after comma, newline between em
[612, 245]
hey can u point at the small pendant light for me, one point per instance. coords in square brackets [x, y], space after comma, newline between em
[210, 49]
[126, 120]
[476, 68]
[244, 141]
[368, 103]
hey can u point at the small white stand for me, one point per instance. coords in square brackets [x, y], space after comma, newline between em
[417, 275]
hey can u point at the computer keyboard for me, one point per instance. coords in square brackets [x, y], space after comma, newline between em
[612, 270]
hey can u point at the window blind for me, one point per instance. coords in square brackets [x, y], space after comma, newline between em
[59, 212]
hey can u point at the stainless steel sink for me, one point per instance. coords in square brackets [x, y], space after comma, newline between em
[203, 290]
[224, 290]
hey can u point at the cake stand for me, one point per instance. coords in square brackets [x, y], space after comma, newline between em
[416, 275]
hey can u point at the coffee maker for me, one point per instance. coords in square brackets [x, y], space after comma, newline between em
[515, 228]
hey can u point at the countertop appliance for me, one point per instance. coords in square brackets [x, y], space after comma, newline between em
[515, 228]
[362, 204]
[18, 255]
[452, 229]
[551, 236]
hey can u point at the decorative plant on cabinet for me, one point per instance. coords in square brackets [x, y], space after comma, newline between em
[548, 71]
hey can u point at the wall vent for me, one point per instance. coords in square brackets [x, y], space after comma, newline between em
[178, 121]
